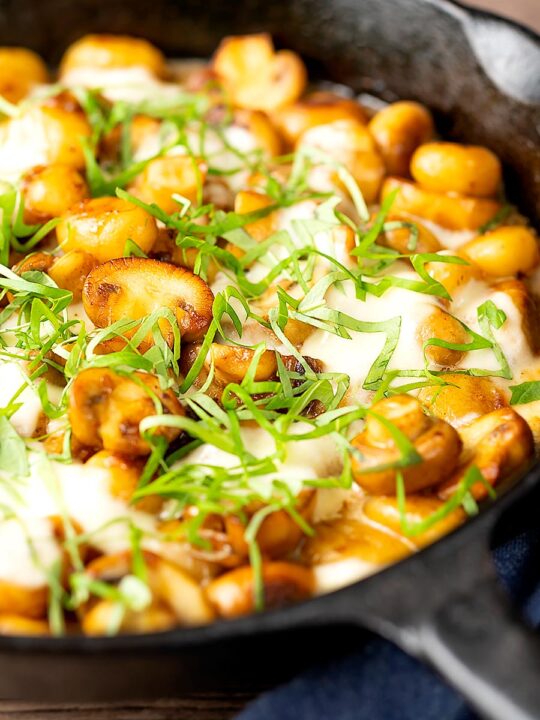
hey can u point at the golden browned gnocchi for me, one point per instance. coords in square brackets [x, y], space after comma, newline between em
[51, 190]
[110, 52]
[20, 71]
[233, 379]
[103, 226]
[398, 130]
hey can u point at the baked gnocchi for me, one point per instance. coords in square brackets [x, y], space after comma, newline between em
[231, 378]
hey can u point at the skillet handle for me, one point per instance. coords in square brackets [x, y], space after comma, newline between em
[482, 646]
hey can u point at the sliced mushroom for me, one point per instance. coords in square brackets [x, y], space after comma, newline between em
[132, 288]
[105, 410]
[435, 441]
[498, 444]
[257, 77]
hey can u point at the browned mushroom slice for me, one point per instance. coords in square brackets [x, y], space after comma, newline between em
[255, 75]
[435, 441]
[105, 410]
[132, 288]
[498, 444]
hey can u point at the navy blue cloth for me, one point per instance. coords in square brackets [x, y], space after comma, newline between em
[379, 682]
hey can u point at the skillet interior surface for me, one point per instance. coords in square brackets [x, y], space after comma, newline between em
[420, 49]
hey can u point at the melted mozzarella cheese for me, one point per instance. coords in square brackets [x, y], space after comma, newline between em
[28, 550]
[12, 377]
[23, 145]
[449, 239]
[356, 355]
[131, 84]
[83, 493]
[304, 459]
[510, 336]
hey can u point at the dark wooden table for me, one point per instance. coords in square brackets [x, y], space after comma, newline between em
[208, 706]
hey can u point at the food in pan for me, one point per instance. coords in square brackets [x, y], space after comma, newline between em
[258, 340]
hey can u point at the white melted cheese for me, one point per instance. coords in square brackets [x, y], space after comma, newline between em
[23, 145]
[510, 336]
[18, 564]
[131, 84]
[83, 493]
[220, 152]
[449, 239]
[356, 355]
[305, 459]
[12, 377]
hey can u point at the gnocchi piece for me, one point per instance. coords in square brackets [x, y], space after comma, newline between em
[248, 201]
[29, 602]
[49, 191]
[498, 444]
[504, 252]
[70, 271]
[455, 212]
[181, 593]
[452, 168]
[418, 508]
[399, 129]
[453, 275]
[167, 176]
[103, 616]
[319, 108]
[231, 594]
[12, 624]
[176, 597]
[440, 325]
[527, 305]
[132, 288]
[109, 52]
[463, 399]
[105, 410]
[436, 442]
[402, 239]
[102, 227]
[279, 533]
[348, 536]
[48, 134]
[348, 143]
[261, 128]
[257, 77]
[20, 71]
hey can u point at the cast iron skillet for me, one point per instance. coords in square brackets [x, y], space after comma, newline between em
[481, 76]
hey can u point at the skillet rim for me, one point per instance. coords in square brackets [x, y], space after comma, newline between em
[478, 527]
